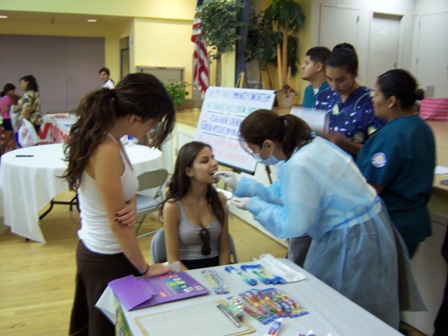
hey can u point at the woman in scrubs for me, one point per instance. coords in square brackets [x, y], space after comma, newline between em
[349, 104]
[399, 160]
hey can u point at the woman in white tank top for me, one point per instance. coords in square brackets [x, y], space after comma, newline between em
[194, 214]
[100, 171]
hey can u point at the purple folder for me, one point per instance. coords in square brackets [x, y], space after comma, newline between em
[135, 293]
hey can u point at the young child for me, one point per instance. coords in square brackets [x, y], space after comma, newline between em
[8, 99]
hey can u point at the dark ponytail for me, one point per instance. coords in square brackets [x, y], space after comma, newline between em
[142, 95]
[344, 56]
[288, 130]
[8, 87]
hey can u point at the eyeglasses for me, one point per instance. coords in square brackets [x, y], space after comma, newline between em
[246, 148]
[204, 233]
[158, 129]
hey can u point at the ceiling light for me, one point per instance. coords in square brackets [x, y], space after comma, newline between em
[92, 20]
[3, 16]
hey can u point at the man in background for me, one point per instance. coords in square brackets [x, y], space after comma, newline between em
[313, 70]
[104, 74]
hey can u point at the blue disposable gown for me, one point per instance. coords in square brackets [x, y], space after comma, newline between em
[321, 192]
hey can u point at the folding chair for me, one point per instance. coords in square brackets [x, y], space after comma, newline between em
[158, 250]
[154, 179]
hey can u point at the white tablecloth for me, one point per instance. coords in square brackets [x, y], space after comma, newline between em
[56, 127]
[28, 183]
[328, 310]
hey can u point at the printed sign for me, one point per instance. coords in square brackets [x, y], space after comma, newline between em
[222, 112]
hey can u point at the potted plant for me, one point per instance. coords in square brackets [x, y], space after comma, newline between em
[220, 21]
[286, 18]
[177, 91]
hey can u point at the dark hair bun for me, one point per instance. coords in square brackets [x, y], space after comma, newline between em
[344, 45]
[419, 94]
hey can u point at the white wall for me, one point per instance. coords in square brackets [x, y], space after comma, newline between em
[366, 8]
[430, 47]
[163, 43]
[425, 6]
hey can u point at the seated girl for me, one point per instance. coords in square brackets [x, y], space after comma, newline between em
[194, 214]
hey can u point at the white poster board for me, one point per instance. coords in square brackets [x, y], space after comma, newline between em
[222, 112]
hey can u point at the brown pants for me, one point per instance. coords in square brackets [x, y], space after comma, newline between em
[94, 272]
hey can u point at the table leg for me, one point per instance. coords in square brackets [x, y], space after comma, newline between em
[72, 202]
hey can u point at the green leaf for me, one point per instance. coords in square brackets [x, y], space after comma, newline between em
[220, 22]
[177, 91]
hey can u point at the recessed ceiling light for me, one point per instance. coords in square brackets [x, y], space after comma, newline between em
[92, 20]
[3, 16]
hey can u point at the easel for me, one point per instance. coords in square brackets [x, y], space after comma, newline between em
[241, 82]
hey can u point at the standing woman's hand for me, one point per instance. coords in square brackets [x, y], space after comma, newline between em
[156, 269]
[127, 216]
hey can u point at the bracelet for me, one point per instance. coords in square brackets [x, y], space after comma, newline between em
[146, 271]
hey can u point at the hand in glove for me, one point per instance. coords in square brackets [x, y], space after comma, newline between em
[241, 202]
[230, 178]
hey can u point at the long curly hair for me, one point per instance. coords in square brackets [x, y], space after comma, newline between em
[180, 183]
[136, 94]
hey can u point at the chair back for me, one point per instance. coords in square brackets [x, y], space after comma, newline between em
[158, 249]
[149, 202]
[152, 179]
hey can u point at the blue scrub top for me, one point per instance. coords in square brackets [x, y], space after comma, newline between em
[401, 158]
[353, 118]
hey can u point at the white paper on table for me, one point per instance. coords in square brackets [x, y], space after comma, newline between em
[440, 170]
[276, 267]
[318, 120]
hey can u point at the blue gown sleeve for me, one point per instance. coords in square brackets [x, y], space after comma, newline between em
[249, 187]
[300, 206]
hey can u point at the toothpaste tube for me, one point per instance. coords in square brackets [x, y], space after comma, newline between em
[274, 329]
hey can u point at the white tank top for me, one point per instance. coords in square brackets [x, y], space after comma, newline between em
[95, 231]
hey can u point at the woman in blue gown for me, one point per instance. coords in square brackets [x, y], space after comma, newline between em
[321, 192]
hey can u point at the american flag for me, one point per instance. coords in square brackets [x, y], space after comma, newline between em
[200, 56]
